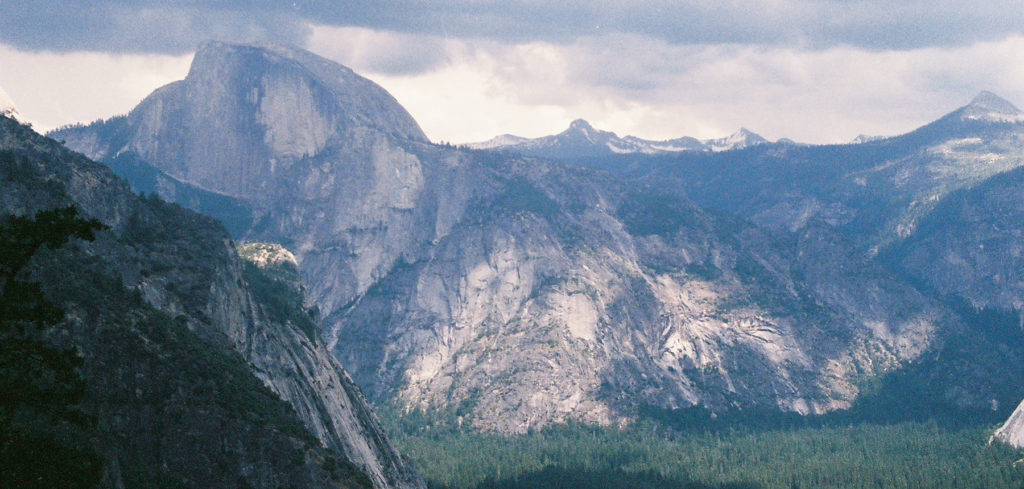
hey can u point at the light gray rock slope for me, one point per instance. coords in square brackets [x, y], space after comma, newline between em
[511, 291]
[1012, 432]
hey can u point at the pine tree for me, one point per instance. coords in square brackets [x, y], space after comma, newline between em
[44, 433]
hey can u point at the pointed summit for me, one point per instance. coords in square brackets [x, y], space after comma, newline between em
[582, 132]
[737, 140]
[991, 102]
[988, 106]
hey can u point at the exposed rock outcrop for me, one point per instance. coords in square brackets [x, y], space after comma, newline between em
[1012, 432]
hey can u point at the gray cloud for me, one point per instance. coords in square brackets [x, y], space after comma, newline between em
[177, 27]
[637, 85]
[812, 70]
[380, 52]
[143, 26]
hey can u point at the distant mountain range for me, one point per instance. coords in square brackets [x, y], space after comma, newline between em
[582, 140]
[515, 286]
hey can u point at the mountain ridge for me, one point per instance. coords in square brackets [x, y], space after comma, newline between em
[581, 139]
[989, 106]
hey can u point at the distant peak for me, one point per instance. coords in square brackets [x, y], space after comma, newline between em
[737, 140]
[745, 133]
[580, 124]
[992, 103]
[989, 107]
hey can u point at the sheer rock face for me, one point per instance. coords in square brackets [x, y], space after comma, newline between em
[203, 282]
[246, 114]
[302, 371]
[513, 291]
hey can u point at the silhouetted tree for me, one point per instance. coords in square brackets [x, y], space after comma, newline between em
[44, 434]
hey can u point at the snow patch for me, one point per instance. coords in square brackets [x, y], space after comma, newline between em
[617, 149]
[995, 117]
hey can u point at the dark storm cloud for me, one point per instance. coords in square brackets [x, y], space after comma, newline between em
[143, 26]
[875, 24]
[176, 27]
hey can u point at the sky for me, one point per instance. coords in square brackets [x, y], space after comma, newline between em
[815, 71]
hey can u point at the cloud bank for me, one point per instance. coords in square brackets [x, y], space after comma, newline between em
[810, 70]
[651, 88]
[175, 27]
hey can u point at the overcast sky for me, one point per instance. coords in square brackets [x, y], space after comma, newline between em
[810, 70]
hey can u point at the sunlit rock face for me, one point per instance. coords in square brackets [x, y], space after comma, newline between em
[526, 315]
[245, 115]
[514, 292]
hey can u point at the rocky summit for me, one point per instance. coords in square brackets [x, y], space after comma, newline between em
[511, 292]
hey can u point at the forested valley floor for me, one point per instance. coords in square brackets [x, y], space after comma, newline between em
[913, 454]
